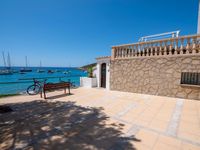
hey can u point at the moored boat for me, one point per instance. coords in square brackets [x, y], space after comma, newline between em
[57, 70]
[25, 69]
[50, 71]
[40, 70]
[5, 72]
[7, 69]
[66, 72]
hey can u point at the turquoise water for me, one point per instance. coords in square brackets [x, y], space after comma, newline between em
[18, 83]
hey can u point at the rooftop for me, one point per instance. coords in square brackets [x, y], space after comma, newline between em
[100, 119]
[103, 57]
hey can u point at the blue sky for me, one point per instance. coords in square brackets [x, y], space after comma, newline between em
[74, 32]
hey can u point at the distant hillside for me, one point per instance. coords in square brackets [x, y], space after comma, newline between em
[87, 66]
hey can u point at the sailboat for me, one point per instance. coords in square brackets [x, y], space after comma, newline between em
[65, 72]
[25, 69]
[7, 69]
[57, 70]
[50, 71]
[40, 70]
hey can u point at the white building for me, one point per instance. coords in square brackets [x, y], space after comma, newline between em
[103, 72]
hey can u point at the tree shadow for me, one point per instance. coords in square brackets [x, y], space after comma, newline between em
[60, 125]
[59, 96]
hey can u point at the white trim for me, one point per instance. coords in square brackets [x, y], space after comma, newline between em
[98, 75]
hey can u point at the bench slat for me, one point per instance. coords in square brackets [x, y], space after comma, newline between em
[54, 86]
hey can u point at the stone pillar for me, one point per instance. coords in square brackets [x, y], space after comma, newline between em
[113, 54]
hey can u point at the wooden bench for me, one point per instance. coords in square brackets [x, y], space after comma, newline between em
[55, 86]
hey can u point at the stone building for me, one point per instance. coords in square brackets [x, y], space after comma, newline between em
[167, 67]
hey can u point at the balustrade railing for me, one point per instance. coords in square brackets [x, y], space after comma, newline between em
[184, 45]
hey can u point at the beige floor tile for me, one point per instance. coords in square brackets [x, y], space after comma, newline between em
[163, 117]
[147, 138]
[190, 113]
[190, 119]
[173, 142]
[146, 117]
[133, 114]
[151, 110]
[130, 117]
[162, 146]
[187, 146]
[142, 122]
[120, 107]
[189, 127]
[147, 114]
[158, 125]
[189, 136]
[139, 146]
[118, 125]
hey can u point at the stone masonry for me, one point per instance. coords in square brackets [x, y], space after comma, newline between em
[155, 75]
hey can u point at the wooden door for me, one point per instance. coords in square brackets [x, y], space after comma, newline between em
[103, 75]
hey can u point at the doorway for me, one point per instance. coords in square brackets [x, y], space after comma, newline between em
[103, 75]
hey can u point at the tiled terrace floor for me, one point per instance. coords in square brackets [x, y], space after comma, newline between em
[100, 119]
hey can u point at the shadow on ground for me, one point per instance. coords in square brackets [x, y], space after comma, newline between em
[60, 125]
[58, 96]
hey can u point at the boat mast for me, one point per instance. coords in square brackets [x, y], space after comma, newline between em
[4, 61]
[8, 61]
[26, 62]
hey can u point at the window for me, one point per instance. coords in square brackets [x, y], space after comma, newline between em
[190, 78]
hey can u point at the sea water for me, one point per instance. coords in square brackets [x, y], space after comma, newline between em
[18, 83]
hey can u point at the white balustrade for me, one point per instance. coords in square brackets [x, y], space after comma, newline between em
[185, 45]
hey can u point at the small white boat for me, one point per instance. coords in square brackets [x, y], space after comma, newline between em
[15, 71]
[40, 71]
[57, 70]
[66, 72]
[5, 72]
[7, 68]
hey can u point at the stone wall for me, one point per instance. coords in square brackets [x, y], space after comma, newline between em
[155, 75]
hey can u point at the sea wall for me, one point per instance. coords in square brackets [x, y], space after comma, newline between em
[155, 75]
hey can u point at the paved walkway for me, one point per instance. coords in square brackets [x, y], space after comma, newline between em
[100, 119]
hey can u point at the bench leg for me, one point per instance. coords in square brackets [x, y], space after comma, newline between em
[44, 94]
[41, 94]
[69, 90]
[64, 90]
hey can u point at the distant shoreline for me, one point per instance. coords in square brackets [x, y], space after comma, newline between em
[37, 67]
[8, 95]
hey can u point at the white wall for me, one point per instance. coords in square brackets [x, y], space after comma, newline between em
[88, 82]
[108, 76]
[98, 73]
